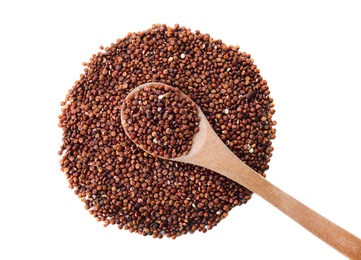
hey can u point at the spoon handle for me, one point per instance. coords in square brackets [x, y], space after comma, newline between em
[337, 237]
[340, 239]
[228, 164]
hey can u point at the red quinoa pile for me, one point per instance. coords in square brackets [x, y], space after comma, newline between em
[160, 120]
[122, 185]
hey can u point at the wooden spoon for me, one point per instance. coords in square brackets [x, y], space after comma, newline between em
[225, 162]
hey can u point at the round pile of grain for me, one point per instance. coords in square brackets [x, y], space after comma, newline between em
[122, 185]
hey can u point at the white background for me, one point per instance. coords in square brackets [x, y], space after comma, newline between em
[309, 52]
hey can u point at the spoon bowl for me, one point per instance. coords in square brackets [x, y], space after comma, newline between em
[225, 162]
